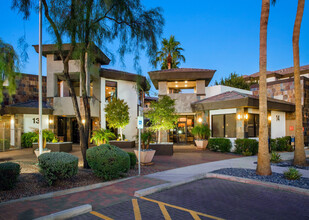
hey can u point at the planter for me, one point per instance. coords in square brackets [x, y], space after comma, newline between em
[201, 144]
[146, 156]
[37, 152]
[56, 147]
[123, 144]
[163, 148]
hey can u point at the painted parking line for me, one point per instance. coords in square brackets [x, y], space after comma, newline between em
[195, 215]
[162, 205]
[137, 212]
[101, 215]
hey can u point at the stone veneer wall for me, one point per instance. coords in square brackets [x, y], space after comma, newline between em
[27, 88]
[284, 90]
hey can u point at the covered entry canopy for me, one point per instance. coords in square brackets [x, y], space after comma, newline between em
[235, 99]
[30, 107]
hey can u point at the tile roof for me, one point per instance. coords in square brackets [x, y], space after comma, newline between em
[182, 70]
[281, 72]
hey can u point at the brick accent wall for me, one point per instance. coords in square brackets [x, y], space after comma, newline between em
[27, 88]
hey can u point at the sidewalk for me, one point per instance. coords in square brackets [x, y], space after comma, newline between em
[122, 191]
[180, 174]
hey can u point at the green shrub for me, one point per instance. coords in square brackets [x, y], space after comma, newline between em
[246, 147]
[27, 139]
[48, 135]
[133, 159]
[201, 131]
[6, 143]
[9, 173]
[219, 144]
[57, 165]
[292, 174]
[281, 144]
[275, 157]
[108, 161]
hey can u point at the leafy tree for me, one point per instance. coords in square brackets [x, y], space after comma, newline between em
[234, 80]
[9, 63]
[169, 53]
[102, 136]
[87, 22]
[162, 115]
[299, 155]
[117, 114]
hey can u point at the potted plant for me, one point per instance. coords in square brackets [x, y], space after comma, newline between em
[202, 132]
[48, 136]
[146, 153]
[117, 116]
[102, 136]
[162, 117]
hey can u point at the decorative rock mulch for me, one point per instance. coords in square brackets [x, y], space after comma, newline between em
[274, 178]
[289, 163]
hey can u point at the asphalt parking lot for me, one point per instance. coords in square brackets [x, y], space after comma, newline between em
[210, 199]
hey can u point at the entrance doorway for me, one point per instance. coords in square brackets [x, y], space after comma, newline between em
[75, 131]
[182, 133]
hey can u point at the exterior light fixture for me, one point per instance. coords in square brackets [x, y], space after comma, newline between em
[246, 116]
[239, 116]
[83, 121]
[12, 121]
[50, 121]
[176, 85]
[186, 81]
[269, 118]
[176, 82]
[186, 85]
[199, 120]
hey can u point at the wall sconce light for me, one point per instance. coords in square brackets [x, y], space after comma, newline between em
[186, 81]
[246, 116]
[186, 85]
[176, 82]
[239, 116]
[83, 121]
[176, 85]
[12, 121]
[200, 120]
[269, 118]
[50, 121]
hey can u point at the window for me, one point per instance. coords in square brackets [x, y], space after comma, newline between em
[224, 125]
[253, 125]
[110, 90]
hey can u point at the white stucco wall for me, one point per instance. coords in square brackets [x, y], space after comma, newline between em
[216, 90]
[126, 90]
[277, 124]
[31, 122]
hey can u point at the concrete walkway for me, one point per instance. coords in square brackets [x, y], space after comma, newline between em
[180, 174]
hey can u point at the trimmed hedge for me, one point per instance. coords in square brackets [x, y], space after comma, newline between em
[219, 144]
[108, 161]
[57, 165]
[27, 139]
[6, 144]
[133, 159]
[246, 147]
[281, 144]
[9, 173]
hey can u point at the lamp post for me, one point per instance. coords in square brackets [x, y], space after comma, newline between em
[40, 79]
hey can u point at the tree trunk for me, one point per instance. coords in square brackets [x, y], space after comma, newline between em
[299, 154]
[159, 136]
[263, 164]
[120, 131]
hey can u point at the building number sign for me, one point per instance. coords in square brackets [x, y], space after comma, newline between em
[35, 120]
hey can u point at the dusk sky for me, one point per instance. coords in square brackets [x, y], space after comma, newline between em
[220, 35]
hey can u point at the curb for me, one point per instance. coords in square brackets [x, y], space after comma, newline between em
[68, 213]
[65, 192]
[260, 183]
[164, 186]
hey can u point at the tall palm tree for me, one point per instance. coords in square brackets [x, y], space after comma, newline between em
[170, 54]
[299, 154]
[263, 164]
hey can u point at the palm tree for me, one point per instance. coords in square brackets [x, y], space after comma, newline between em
[263, 164]
[102, 136]
[299, 154]
[170, 54]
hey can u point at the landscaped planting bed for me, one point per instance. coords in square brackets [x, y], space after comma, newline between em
[289, 163]
[274, 178]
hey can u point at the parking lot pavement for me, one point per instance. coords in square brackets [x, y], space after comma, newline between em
[210, 199]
